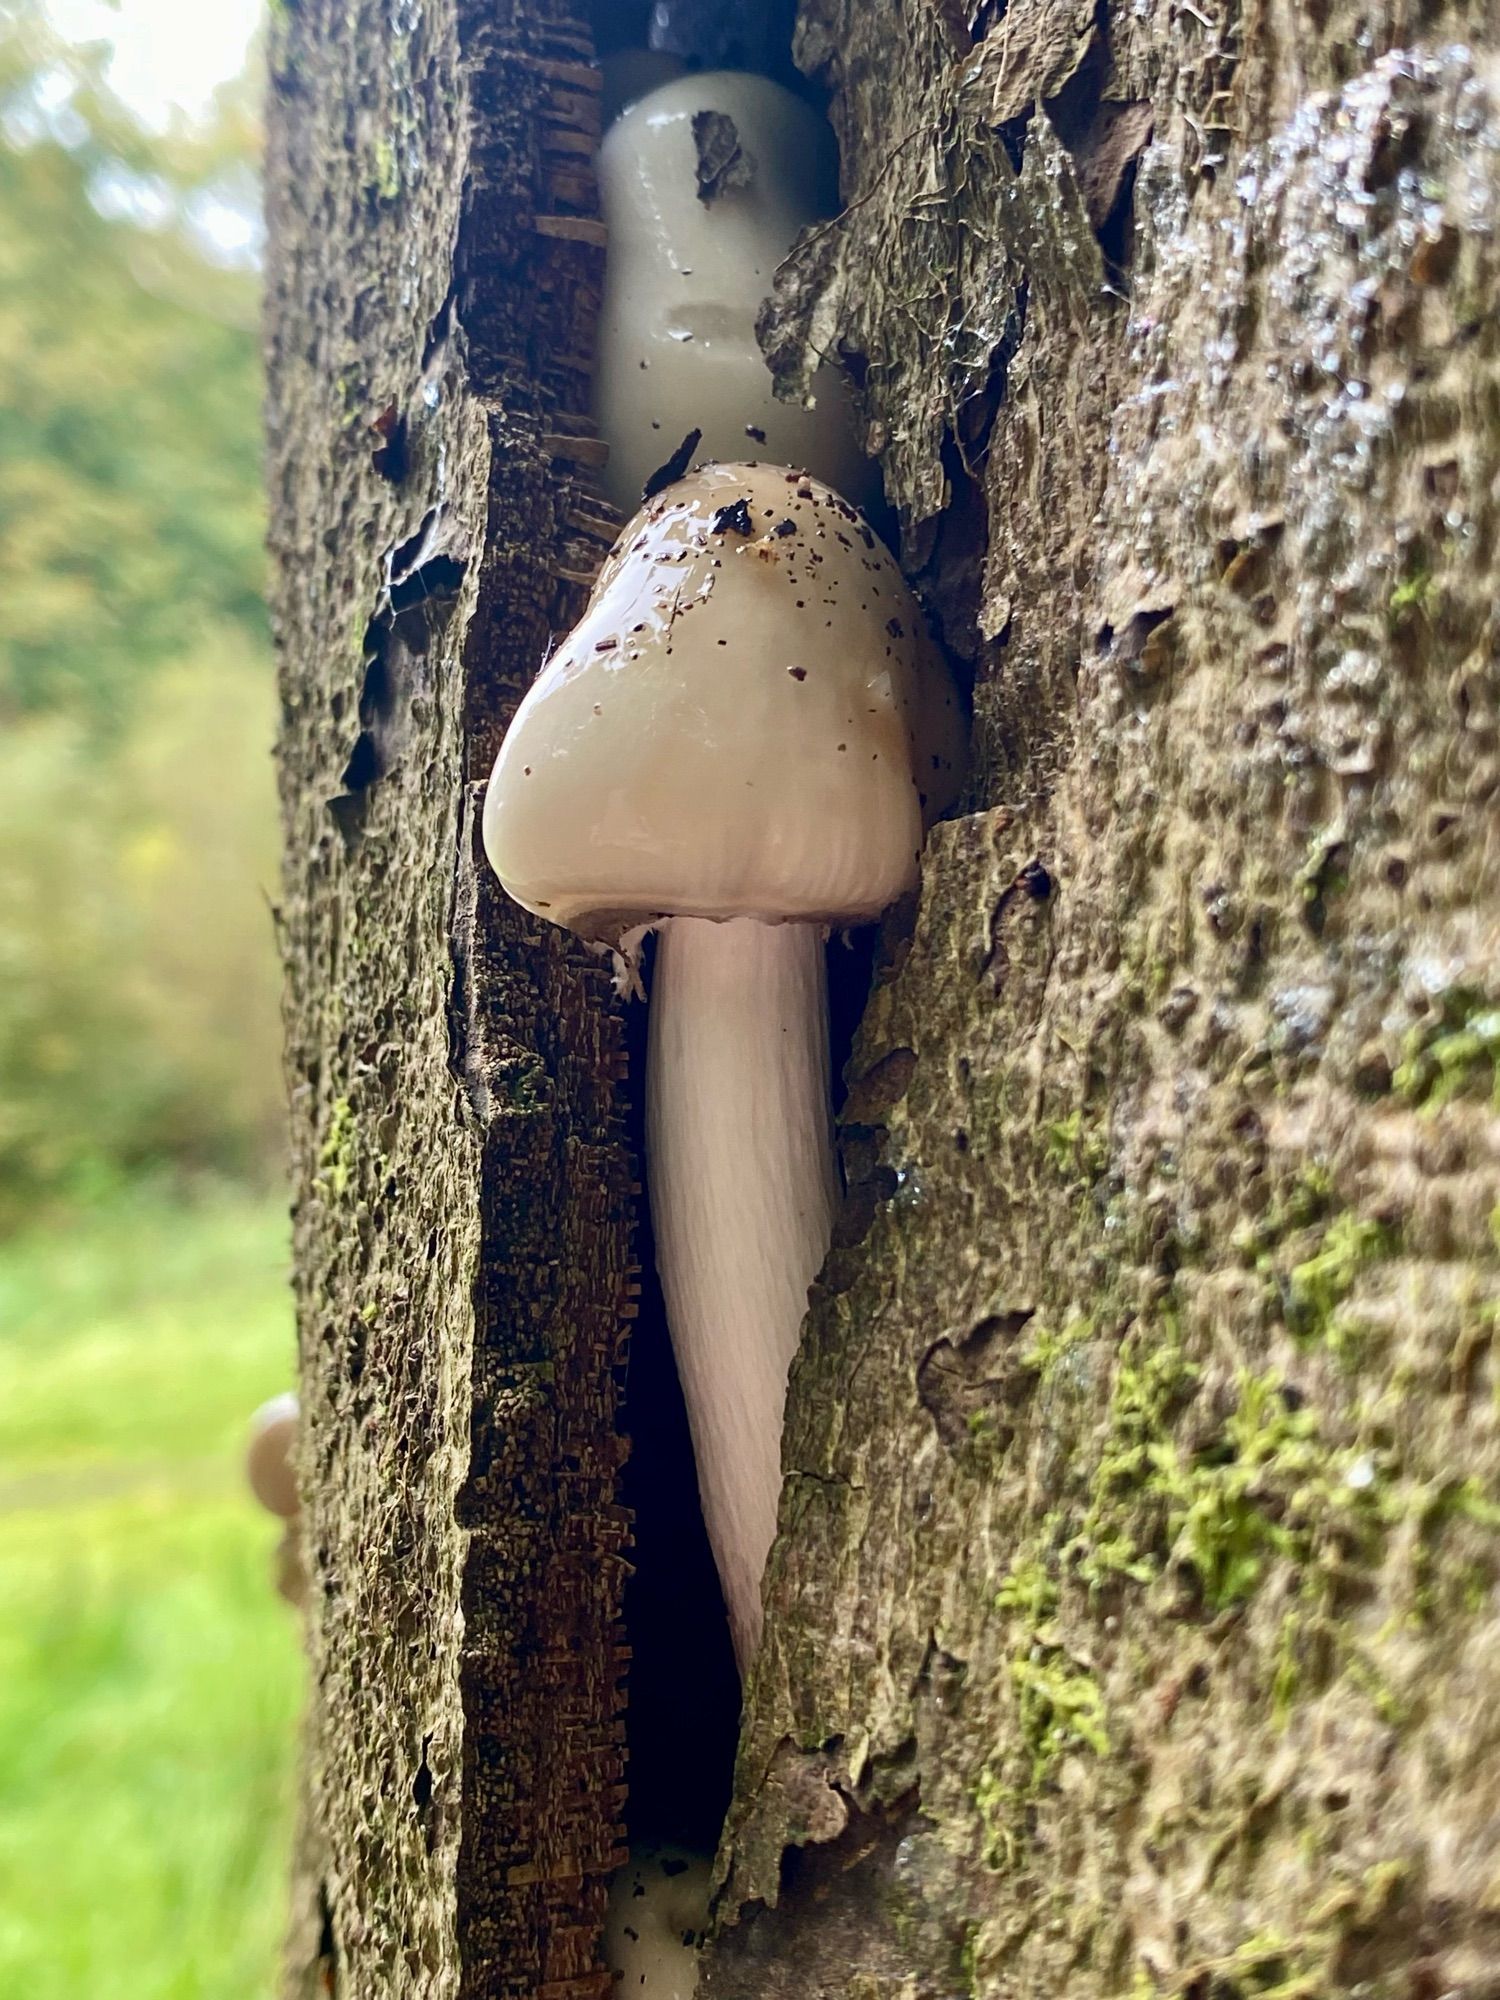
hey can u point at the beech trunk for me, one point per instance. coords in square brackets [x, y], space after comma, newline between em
[1132, 1624]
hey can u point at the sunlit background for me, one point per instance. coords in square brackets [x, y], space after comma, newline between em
[148, 1673]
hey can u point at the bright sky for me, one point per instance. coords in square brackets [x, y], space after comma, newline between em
[168, 54]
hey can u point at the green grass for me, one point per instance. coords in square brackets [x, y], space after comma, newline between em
[149, 1675]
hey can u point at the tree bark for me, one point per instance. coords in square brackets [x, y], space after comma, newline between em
[1131, 1627]
[462, 1181]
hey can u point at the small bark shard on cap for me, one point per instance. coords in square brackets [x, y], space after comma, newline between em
[723, 162]
[668, 474]
[734, 518]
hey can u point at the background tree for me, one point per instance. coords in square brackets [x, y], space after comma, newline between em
[137, 1002]
[1130, 1626]
[149, 1680]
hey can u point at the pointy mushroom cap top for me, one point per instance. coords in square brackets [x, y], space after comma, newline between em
[749, 720]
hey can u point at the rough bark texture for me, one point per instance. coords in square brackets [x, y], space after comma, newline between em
[1133, 1626]
[462, 1187]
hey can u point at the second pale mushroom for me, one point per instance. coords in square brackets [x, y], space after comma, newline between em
[271, 1469]
[704, 184]
[739, 745]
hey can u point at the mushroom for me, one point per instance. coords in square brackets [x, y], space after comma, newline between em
[270, 1456]
[270, 1467]
[658, 1911]
[704, 184]
[739, 743]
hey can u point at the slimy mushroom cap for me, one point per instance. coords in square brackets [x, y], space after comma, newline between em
[749, 720]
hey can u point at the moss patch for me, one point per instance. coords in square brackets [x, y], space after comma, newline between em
[1455, 1055]
[1316, 1287]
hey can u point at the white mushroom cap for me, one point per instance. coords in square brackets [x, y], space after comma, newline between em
[686, 278]
[750, 720]
[270, 1454]
[658, 1910]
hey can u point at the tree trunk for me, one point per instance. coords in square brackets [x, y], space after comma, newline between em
[1131, 1628]
[462, 1182]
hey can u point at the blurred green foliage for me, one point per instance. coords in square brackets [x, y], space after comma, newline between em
[130, 491]
[138, 1013]
[149, 1677]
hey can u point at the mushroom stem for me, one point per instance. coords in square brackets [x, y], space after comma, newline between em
[743, 1189]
